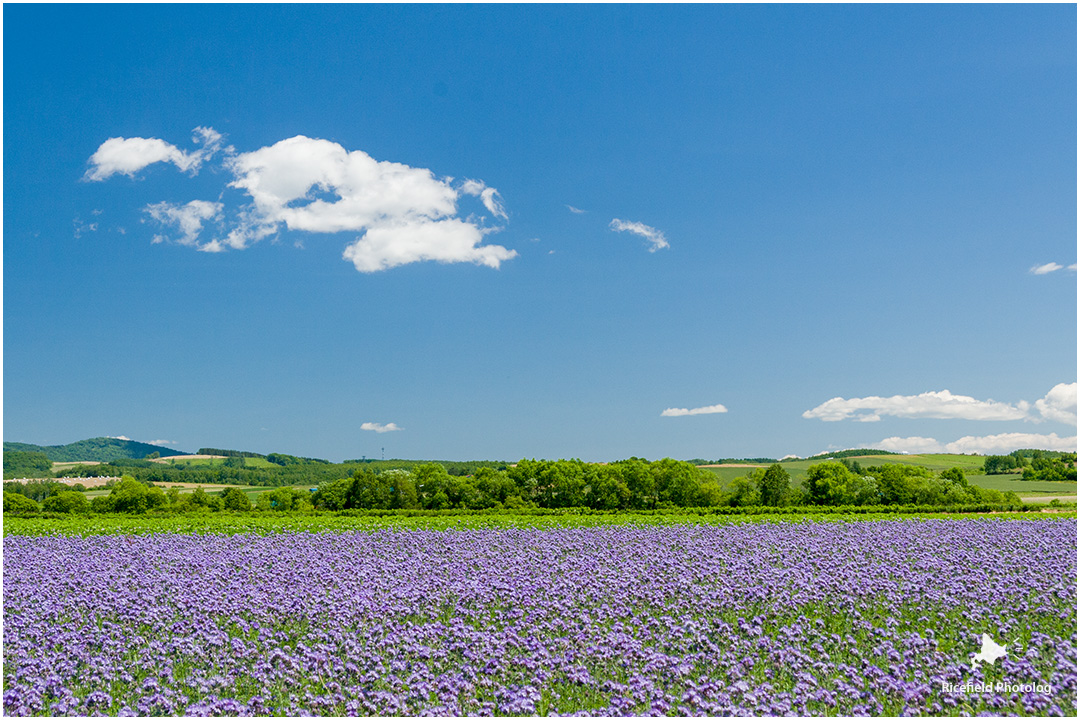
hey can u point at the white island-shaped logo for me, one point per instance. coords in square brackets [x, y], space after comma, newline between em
[990, 652]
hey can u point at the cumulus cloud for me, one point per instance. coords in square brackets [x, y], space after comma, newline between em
[127, 156]
[403, 214]
[120, 437]
[188, 219]
[379, 427]
[941, 405]
[451, 240]
[576, 211]
[985, 445]
[1059, 404]
[654, 236]
[1044, 269]
[162, 442]
[707, 410]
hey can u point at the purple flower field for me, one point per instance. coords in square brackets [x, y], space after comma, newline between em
[814, 618]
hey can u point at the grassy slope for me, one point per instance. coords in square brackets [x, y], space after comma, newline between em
[970, 463]
[250, 462]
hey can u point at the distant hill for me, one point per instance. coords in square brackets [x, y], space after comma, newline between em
[100, 449]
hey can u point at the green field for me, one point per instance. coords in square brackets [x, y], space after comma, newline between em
[251, 462]
[268, 522]
[970, 463]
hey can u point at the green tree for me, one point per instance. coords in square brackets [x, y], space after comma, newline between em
[18, 504]
[640, 482]
[677, 482]
[132, 496]
[284, 499]
[432, 481]
[1000, 464]
[607, 490]
[902, 484]
[742, 492]
[495, 484]
[955, 475]
[775, 485]
[829, 483]
[234, 499]
[562, 484]
[68, 501]
[403, 495]
[332, 495]
[369, 491]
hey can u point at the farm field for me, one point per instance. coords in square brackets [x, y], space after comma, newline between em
[867, 616]
[210, 488]
[211, 461]
[970, 463]
[399, 520]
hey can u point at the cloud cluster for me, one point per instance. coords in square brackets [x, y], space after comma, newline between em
[403, 214]
[941, 405]
[986, 445]
[655, 237]
[188, 219]
[1049, 268]
[127, 156]
[706, 410]
[379, 427]
[1059, 404]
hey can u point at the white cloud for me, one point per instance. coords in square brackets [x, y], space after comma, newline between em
[1059, 404]
[83, 227]
[489, 196]
[707, 410]
[651, 234]
[162, 442]
[576, 211]
[985, 445]
[188, 218]
[451, 240]
[127, 156]
[120, 437]
[1044, 269]
[403, 214]
[379, 427]
[941, 405]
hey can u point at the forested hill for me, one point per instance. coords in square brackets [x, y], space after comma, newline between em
[101, 449]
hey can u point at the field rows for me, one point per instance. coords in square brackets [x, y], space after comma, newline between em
[868, 617]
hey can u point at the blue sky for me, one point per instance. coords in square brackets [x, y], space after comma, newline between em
[465, 232]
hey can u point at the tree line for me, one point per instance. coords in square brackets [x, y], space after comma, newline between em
[1034, 465]
[634, 484]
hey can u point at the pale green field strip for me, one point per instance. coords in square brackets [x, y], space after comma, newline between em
[261, 523]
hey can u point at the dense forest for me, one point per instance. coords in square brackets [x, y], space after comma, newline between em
[99, 449]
